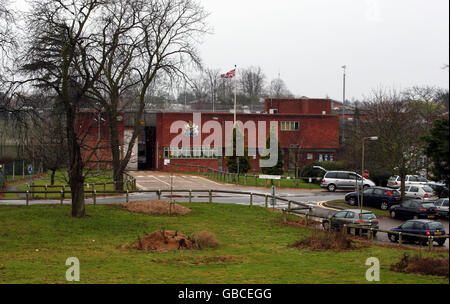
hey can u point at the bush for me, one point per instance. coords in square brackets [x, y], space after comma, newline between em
[421, 265]
[320, 240]
[205, 239]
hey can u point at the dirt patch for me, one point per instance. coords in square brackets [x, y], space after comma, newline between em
[200, 260]
[320, 241]
[162, 240]
[422, 265]
[156, 207]
[206, 239]
[300, 223]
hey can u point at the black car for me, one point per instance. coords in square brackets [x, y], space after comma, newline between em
[439, 189]
[379, 197]
[366, 220]
[420, 227]
[414, 210]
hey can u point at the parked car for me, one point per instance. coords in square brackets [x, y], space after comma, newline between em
[413, 209]
[440, 190]
[421, 192]
[443, 181]
[395, 181]
[333, 180]
[379, 197]
[442, 207]
[419, 227]
[351, 216]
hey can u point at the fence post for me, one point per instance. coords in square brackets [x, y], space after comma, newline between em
[400, 238]
[62, 197]
[289, 206]
[370, 234]
[190, 196]
[256, 181]
[307, 218]
[64, 191]
[158, 193]
[127, 198]
[344, 227]
[430, 242]
[251, 199]
[267, 201]
[46, 189]
[279, 182]
[284, 216]
[28, 197]
[210, 196]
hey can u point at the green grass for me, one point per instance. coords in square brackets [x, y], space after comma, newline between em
[36, 241]
[283, 183]
[343, 204]
[62, 179]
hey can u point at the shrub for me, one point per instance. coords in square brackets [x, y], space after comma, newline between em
[320, 240]
[422, 265]
[205, 239]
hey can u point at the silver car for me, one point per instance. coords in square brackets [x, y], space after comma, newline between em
[395, 181]
[347, 180]
[442, 206]
[421, 192]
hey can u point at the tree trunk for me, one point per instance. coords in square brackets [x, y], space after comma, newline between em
[76, 178]
[115, 151]
[52, 177]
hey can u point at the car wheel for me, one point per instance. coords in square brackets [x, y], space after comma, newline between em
[393, 238]
[352, 201]
[374, 233]
[326, 225]
[384, 206]
[332, 188]
[393, 215]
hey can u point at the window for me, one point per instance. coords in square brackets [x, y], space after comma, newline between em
[342, 175]
[331, 175]
[414, 189]
[379, 192]
[310, 156]
[406, 204]
[428, 189]
[368, 191]
[350, 215]
[419, 226]
[290, 126]
[368, 216]
[191, 153]
[408, 225]
[435, 225]
[340, 214]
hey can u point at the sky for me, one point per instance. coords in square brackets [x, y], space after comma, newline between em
[384, 43]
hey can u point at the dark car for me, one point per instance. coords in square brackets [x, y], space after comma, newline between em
[351, 216]
[379, 197]
[440, 190]
[414, 210]
[420, 227]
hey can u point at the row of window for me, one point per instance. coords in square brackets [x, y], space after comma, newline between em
[191, 153]
[290, 126]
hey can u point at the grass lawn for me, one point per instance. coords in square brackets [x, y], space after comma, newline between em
[283, 183]
[35, 242]
[62, 179]
[343, 204]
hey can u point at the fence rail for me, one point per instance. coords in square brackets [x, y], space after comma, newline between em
[299, 208]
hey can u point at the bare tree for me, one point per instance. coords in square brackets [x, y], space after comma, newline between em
[252, 81]
[144, 40]
[60, 50]
[6, 26]
[398, 125]
[278, 89]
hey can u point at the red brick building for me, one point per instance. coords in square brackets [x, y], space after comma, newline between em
[307, 131]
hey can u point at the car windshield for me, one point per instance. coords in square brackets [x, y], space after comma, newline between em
[428, 205]
[392, 178]
[392, 192]
[422, 179]
[368, 216]
[428, 189]
[435, 225]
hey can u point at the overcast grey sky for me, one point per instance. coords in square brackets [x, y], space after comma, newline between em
[388, 43]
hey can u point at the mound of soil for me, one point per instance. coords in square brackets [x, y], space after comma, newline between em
[422, 265]
[156, 207]
[320, 240]
[161, 241]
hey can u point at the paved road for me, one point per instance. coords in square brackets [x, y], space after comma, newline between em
[162, 181]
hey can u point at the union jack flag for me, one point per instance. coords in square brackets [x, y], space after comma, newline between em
[230, 74]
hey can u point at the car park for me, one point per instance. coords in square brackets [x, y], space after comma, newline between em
[421, 192]
[365, 218]
[442, 207]
[347, 180]
[413, 209]
[418, 227]
[395, 181]
[379, 197]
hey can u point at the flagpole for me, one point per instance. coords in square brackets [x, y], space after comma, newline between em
[235, 93]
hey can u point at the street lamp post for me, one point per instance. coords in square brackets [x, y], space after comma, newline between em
[344, 67]
[372, 138]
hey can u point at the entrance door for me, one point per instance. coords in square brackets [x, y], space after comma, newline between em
[146, 149]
